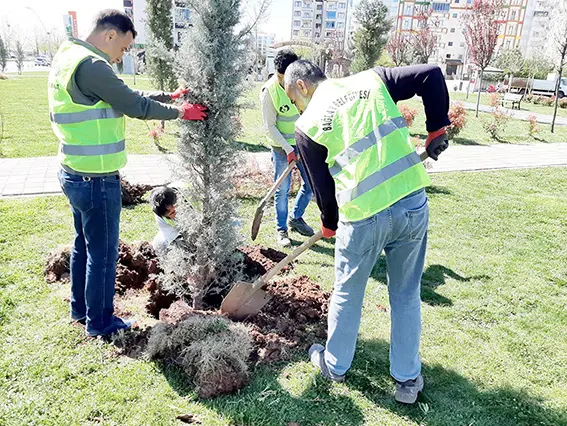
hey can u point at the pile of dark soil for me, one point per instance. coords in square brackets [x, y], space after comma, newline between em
[58, 264]
[136, 263]
[295, 317]
[133, 193]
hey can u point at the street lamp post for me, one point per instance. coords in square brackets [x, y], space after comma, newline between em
[45, 29]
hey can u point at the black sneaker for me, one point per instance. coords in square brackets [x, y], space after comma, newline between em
[283, 239]
[299, 225]
[406, 392]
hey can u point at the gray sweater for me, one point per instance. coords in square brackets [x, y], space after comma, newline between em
[95, 80]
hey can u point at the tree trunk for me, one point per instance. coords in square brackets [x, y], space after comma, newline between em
[479, 90]
[557, 84]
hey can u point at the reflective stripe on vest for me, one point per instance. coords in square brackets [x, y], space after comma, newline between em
[378, 177]
[286, 118]
[370, 154]
[89, 150]
[367, 142]
[79, 117]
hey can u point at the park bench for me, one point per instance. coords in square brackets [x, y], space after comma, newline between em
[512, 98]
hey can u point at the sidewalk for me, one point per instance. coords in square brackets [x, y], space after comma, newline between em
[519, 115]
[38, 176]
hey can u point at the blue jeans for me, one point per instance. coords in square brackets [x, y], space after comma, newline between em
[401, 231]
[281, 196]
[96, 205]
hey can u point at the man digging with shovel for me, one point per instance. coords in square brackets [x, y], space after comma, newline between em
[279, 116]
[369, 184]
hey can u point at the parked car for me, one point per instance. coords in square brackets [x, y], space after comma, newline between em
[42, 61]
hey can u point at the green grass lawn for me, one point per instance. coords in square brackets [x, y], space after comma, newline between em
[27, 131]
[494, 319]
[525, 106]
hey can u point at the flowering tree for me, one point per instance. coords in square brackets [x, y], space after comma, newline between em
[480, 22]
[399, 48]
[423, 41]
[560, 40]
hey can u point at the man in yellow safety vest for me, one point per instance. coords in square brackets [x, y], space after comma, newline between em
[369, 184]
[88, 104]
[279, 116]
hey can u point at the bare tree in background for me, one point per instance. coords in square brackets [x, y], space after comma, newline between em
[399, 48]
[481, 21]
[560, 40]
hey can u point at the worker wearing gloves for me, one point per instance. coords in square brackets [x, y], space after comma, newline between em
[88, 104]
[279, 116]
[369, 184]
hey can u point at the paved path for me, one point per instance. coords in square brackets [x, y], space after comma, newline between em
[38, 176]
[519, 114]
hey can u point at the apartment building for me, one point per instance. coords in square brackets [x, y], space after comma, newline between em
[321, 21]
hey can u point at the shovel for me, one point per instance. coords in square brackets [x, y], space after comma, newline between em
[260, 209]
[246, 299]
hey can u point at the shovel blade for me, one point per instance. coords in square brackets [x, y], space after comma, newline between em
[257, 222]
[242, 301]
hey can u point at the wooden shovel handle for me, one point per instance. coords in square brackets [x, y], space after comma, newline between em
[287, 260]
[278, 182]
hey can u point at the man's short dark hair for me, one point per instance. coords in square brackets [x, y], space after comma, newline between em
[114, 19]
[283, 59]
[304, 70]
[161, 199]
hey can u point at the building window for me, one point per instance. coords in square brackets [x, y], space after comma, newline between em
[450, 43]
[342, 5]
[317, 26]
[454, 15]
[297, 13]
[406, 25]
[319, 7]
[340, 24]
[457, 1]
[319, 16]
[462, 44]
[307, 33]
[331, 6]
[507, 44]
[452, 30]
[469, 1]
[331, 15]
[330, 25]
[297, 4]
[408, 11]
[307, 15]
[296, 23]
[460, 56]
[448, 56]
[513, 15]
[295, 32]
[341, 15]
[441, 7]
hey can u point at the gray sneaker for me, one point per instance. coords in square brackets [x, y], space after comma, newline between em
[406, 392]
[283, 239]
[299, 225]
[317, 356]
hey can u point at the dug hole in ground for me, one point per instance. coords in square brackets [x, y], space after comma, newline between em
[214, 352]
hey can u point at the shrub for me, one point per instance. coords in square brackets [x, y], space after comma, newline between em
[497, 123]
[537, 100]
[408, 113]
[534, 126]
[494, 100]
[458, 117]
[547, 101]
[563, 103]
[528, 98]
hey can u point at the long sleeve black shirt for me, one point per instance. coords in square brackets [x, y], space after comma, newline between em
[426, 81]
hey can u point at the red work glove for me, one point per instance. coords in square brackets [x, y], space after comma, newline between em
[194, 112]
[327, 233]
[436, 143]
[291, 157]
[179, 92]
